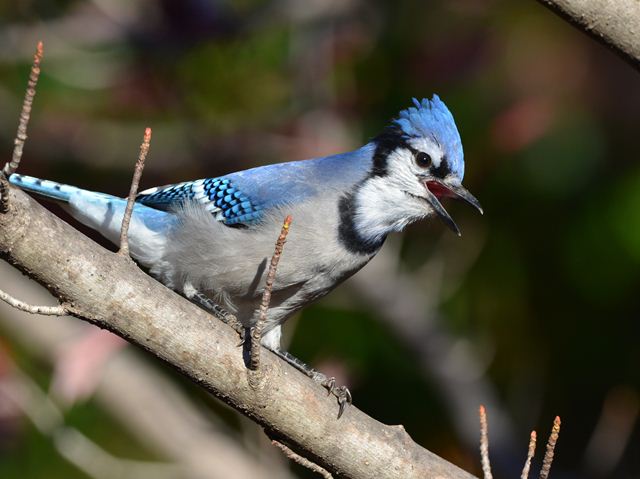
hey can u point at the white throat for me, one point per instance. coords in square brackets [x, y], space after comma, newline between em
[382, 207]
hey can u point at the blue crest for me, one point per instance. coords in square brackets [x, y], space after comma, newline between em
[432, 118]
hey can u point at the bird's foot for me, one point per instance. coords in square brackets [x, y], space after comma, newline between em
[342, 393]
[237, 326]
[219, 312]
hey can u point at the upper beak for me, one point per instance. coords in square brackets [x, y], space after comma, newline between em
[444, 189]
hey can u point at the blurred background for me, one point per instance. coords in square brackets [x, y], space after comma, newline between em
[534, 312]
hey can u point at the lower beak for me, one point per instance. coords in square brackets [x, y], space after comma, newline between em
[438, 188]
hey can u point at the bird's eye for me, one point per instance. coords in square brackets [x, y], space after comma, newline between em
[423, 160]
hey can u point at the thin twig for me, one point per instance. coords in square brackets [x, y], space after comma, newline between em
[256, 331]
[484, 443]
[530, 453]
[59, 310]
[301, 460]
[551, 444]
[21, 136]
[133, 191]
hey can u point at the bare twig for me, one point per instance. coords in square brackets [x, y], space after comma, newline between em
[256, 331]
[530, 453]
[551, 444]
[484, 443]
[301, 460]
[133, 191]
[59, 310]
[21, 136]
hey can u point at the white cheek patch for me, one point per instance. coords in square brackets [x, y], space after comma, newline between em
[389, 203]
[401, 170]
[428, 146]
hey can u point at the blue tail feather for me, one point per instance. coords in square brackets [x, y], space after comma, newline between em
[104, 213]
[46, 188]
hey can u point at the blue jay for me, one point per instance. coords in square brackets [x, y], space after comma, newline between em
[211, 239]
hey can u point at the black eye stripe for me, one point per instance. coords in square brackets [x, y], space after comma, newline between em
[441, 171]
[443, 168]
[392, 139]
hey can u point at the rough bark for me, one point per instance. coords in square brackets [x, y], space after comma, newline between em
[108, 290]
[616, 23]
[152, 405]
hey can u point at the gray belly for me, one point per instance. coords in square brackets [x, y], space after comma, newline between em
[287, 298]
[230, 264]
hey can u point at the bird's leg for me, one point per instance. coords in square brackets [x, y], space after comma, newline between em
[219, 312]
[340, 392]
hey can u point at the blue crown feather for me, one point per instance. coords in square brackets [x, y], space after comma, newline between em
[432, 118]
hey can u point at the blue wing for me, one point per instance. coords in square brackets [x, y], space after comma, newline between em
[218, 195]
[242, 198]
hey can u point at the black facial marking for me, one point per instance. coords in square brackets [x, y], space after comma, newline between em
[443, 169]
[387, 141]
[347, 234]
[392, 138]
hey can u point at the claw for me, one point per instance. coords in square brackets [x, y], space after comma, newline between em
[344, 399]
[342, 394]
[349, 396]
[330, 385]
[341, 406]
[242, 334]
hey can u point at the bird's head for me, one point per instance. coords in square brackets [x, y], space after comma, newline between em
[417, 161]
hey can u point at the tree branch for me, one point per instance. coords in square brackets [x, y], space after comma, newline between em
[105, 289]
[615, 23]
[153, 405]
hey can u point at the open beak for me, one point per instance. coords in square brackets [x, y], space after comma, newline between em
[437, 189]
